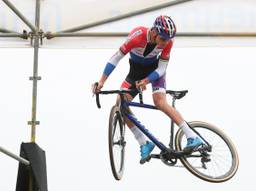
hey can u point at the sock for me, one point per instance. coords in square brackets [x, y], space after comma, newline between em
[189, 133]
[139, 136]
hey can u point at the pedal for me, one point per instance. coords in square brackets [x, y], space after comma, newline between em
[147, 159]
[188, 150]
[191, 150]
[155, 156]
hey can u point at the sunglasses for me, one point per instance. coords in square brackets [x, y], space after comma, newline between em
[162, 38]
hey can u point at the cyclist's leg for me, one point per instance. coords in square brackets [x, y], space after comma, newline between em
[138, 72]
[139, 136]
[146, 147]
[160, 101]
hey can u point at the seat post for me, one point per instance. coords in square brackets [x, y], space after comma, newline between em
[173, 102]
[172, 125]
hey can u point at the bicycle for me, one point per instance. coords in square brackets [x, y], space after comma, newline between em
[204, 162]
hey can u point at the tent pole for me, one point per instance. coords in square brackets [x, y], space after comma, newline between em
[18, 13]
[6, 31]
[125, 34]
[138, 12]
[35, 77]
[20, 159]
[12, 35]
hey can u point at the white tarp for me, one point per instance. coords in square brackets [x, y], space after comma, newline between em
[198, 16]
[58, 15]
[192, 16]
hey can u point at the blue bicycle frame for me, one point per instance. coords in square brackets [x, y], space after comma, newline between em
[133, 119]
[125, 104]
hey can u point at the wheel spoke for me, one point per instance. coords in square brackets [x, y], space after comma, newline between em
[223, 161]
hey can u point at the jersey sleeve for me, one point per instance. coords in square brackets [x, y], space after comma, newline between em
[132, 41]
[112, 63]
[165, 55]
[162, 64]
[159, 71]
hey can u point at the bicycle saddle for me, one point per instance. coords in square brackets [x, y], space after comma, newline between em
[177, 94]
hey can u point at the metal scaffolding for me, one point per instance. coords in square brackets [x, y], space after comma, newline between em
[49, 35]
[20, 159]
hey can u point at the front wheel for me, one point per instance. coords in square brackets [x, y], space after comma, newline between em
[116, 142]
[216, 165]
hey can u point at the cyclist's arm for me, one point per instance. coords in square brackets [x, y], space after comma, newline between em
[110, 66]
[131, 42]
[112, 63]
[162, 64]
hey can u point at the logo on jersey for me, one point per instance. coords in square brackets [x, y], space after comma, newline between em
[133, 35]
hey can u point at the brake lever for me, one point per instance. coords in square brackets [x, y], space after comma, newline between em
[94, 88]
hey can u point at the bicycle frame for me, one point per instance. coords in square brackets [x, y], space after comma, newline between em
[124, 104]
[133, 119]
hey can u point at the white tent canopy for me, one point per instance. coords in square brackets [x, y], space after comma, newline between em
[57, 15]
[191, 16]
[201, 17]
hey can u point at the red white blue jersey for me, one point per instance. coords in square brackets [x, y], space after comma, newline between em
[136, 44]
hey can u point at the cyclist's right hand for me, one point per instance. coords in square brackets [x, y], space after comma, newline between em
[96, 87]
[141, 85]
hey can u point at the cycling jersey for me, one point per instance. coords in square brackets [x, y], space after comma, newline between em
[138, 45]
[146, 59]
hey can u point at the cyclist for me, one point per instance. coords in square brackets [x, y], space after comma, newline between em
[149, 50]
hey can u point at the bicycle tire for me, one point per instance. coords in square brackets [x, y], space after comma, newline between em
[116, 142]
[205, 174]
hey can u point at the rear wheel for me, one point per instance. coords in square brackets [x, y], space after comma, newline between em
[116, 142]
[218, 164]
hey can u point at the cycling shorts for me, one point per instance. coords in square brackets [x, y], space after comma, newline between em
[140, 71]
